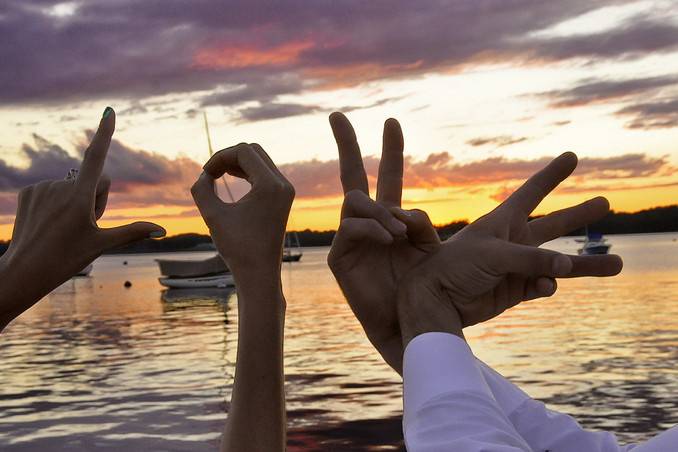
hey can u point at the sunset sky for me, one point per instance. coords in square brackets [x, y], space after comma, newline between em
[487, 91]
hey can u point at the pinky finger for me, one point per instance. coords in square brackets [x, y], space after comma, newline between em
[539, 288]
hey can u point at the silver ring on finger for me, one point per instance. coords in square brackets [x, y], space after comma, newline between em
[72, 174]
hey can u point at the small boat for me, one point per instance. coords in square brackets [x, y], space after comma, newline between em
[222, 280]
[594, 243]
[292, 252]
[85, 271]
[181, 274]
[212, 272]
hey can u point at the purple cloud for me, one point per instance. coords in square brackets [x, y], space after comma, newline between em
[247, 51]
[659, 114]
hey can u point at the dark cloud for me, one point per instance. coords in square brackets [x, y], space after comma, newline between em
[263, 90]
[140, 178]
[638, 36]
[498, 141]
[274, 110]
[257, 51]
[316, 178]
[45, 161]
[660, 114]
[134, 108]
[504, 192]
[143, 179]
[597, 91]
[377, 103]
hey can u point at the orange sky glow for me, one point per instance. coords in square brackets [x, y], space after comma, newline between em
[485, 95]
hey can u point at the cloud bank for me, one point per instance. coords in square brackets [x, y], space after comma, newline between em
[143, 179]
[240, 52]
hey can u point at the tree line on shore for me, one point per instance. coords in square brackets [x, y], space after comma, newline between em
[658, 219]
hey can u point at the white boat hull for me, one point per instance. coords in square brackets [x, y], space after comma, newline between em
[223, 280]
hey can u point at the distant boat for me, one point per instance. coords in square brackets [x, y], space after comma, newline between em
[212, 272]
[594, 243]
[292, 252]
[85, 271]
[182, 274]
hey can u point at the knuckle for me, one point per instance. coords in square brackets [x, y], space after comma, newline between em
[421, 214]
[26, 191]
[194, 189]
[353, 196]
[348, 224]
[289, 189]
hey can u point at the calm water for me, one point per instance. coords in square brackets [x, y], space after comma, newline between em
[97, 365]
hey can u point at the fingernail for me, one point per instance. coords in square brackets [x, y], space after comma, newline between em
[107, 112]
[549, 286]
[156, 234]
[407, 213]
[397, 226]
[562, 265]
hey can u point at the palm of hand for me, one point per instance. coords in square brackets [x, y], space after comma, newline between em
[371, 252]
[369, 274]
[486, 284]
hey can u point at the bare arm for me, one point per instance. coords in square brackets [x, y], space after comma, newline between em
[55, 231]
[249, 236]
[257, 415]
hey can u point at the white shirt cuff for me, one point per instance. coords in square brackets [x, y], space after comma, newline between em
[436, 364]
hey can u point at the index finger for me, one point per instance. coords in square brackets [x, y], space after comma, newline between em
[95, 155]
[240, 161]
[352, 171]
[532, 192]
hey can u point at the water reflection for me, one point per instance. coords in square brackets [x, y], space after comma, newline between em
[97, 365]
[177, 298]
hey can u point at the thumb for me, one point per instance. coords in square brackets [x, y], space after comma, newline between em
[420, 230]
[122, 235]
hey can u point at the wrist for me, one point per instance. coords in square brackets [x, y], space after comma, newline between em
[423, 308]
[259, 290]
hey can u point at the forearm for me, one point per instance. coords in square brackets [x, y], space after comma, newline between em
[257, 419]
[25, 278]
[15, 296]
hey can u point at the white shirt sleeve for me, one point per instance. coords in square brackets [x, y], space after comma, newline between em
[544, 429]
[454, 402]
[448, 406]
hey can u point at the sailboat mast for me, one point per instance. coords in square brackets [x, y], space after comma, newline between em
[209, 146]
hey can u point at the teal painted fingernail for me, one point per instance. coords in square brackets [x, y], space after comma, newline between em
[107, 112]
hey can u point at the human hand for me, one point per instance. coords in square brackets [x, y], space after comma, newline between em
[249, 236]
[249, 233]
[369, 256]
[495, 263]
[372, 249]
[55, 231]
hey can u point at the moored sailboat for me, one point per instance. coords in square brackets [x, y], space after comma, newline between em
[594, 243]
